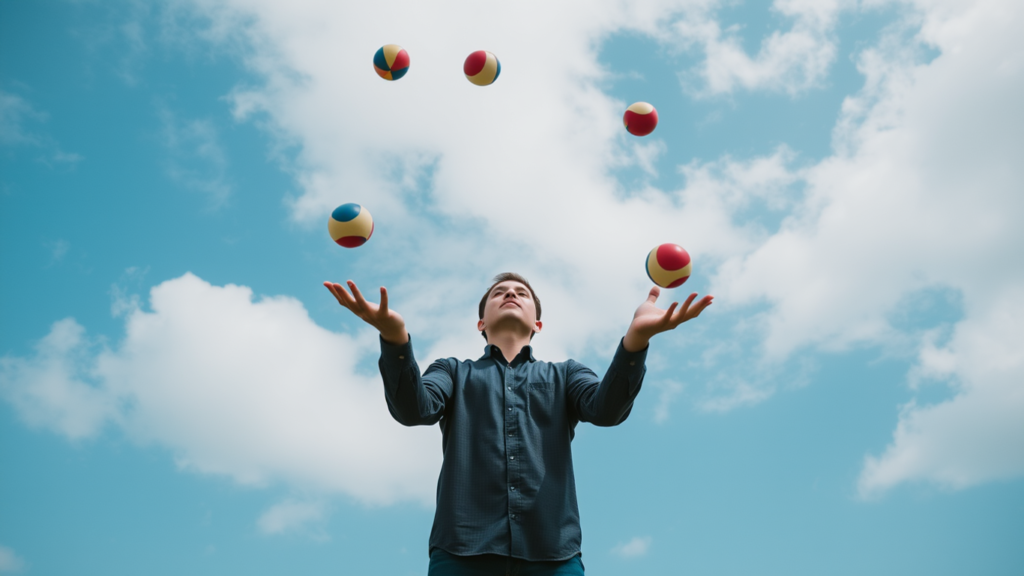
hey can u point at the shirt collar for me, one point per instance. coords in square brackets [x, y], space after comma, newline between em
[492, 351]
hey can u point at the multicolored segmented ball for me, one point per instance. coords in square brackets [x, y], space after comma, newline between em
[350, 225]
[668, 265]
[391, 62]
[482, 68]
[640, 118]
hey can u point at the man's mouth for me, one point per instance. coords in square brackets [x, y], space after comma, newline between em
[516, 304]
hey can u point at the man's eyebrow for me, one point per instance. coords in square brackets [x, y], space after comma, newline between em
[500, 288]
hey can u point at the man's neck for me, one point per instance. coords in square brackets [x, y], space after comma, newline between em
[509, 343]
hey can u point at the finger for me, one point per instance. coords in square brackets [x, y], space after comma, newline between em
[652, 296]
[330, 287]
[340, 291]
[360, 301]
[699, 307]
[668, 313]
[686, 305]
[383, 301]
[341, 295]
[689, 300]
[704, 303]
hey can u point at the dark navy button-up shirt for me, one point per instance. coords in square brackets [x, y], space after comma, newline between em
[506, 485]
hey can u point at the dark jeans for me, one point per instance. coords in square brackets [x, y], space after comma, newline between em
[445, 564]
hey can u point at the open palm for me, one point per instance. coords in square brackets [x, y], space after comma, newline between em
[649, 320]
[388, 322]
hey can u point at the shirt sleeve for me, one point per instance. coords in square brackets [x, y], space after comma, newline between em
[606, 402]
[412, 399]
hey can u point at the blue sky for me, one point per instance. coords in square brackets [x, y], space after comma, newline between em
[179, 394]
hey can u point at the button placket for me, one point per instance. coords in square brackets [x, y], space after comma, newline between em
[511, 445]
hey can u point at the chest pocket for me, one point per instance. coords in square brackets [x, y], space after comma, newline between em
[541, 402]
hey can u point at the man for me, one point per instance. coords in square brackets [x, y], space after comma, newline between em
[506, 495]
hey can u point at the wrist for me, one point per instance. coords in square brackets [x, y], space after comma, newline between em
[634, 342]
[395, 337]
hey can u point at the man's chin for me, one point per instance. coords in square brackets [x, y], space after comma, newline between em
[510, 321]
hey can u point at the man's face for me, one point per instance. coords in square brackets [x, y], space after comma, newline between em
[510, 306]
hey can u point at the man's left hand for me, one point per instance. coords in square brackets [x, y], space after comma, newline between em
[649, 320]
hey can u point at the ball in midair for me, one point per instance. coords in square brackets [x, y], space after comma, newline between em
[391, 62]
[350, 225]
[482, 68]
[640, 119]
[668, 265]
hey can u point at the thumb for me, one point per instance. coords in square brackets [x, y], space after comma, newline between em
[652, 296]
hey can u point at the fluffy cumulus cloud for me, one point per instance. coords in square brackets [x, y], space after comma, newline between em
[922, 193]
[47, 389]
[978, 435]
[253, 390]
[789, 61]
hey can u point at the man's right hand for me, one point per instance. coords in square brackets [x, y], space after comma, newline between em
[388, 322]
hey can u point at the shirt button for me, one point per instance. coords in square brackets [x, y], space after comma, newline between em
[511, 433]
[509, 387]
[401, 357]
[513, 488]
[513, 516]
[509, 408]
[511, 457]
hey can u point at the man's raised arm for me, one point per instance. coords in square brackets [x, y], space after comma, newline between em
[412, 399]
[608, 402]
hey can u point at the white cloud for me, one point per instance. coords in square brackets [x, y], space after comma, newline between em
[251, 390]
[291, 515]
[978, 435]
[53, 389]
[638, 546]
[791, 61]
[923, 192]
[9, 561]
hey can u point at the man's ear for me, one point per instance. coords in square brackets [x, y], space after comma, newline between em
[480, 325]
[538, 326]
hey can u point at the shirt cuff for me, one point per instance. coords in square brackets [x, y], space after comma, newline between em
[396, 354]
[629, 363]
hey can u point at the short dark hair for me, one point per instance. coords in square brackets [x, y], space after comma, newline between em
[504, 277]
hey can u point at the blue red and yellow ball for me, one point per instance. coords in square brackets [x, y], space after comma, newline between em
[640, 119]
[668, 265]
[482, 68]
[391, 62]
[350, 225]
